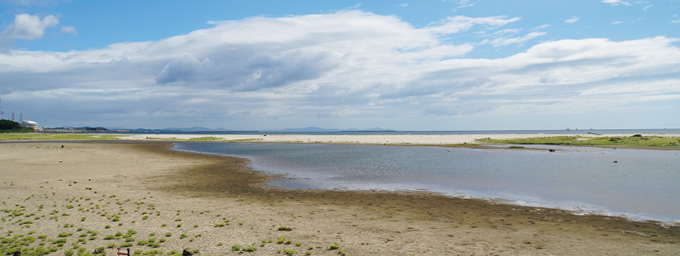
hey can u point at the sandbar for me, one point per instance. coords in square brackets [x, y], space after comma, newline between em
[376, 139]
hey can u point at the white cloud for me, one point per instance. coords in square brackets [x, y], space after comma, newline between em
[403, 5]
[69, 30]
[542, 27]
[615, 2]
[29, 27]
[572, 20]
[459, 24]
[503, 41]
[304, 70]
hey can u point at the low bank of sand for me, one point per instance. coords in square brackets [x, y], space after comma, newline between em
[381, 139]
[185, 199]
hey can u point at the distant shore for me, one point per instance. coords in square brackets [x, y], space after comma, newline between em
[386, 139]
[149, 193]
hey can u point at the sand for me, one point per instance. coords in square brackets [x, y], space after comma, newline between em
[380, 139]
[84, 186]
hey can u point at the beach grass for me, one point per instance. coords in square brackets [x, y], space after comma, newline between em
[635, 140]
[211, 138]
[40, 236]
[58, 136]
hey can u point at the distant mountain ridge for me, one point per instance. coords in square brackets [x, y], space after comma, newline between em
[318, 129]
[303, 129]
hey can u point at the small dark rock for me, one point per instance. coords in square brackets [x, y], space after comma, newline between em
[636, 135]
[186, 253]
[551, 150]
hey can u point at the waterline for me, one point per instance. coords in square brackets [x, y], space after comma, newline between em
[639, 184]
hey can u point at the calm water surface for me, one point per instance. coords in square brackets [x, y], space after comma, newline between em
[642, 184]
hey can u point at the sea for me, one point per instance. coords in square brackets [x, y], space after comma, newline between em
[640, 185]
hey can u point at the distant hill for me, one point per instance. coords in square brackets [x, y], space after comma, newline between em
[317, 129]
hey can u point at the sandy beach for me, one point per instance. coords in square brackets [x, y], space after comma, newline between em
[89, 195]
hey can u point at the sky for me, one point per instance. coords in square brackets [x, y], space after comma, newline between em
[428, 65]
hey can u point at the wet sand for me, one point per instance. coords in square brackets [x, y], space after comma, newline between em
[200, 191]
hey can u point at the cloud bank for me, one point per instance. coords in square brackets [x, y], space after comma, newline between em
[343, 69]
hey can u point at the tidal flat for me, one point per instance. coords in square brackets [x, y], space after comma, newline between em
[85, 196]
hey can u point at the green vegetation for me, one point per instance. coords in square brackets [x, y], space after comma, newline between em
[57, 136]
[72, 240]
[635, 140]
[284, 228]
[8, 126]
[205, 139]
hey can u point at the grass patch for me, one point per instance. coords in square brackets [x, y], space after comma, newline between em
[206, 139]
[57, 136]
[648, 141]
[284, 228]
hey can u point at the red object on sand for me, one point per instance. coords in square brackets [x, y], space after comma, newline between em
[124, 251]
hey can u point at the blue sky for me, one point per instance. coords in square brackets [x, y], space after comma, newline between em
[407, 65]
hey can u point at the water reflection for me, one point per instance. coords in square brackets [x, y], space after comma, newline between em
[642, 183]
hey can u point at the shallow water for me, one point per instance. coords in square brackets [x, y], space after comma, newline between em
[641, 184]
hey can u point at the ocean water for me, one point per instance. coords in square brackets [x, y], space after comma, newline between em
[638, 184]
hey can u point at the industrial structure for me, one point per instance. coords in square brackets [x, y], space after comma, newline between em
[24, 123]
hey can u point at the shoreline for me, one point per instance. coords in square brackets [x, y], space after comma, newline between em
[371, 222]
[444, 140]
[372, 139]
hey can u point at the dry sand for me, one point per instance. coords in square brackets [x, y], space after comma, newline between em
[381, 139]
[83, 186]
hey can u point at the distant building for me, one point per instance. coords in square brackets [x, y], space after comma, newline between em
[30, 124]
